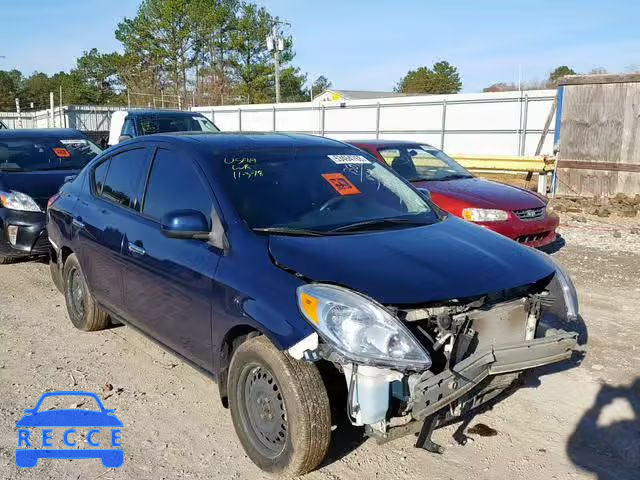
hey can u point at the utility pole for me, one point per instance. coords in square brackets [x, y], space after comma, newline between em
[275, 44]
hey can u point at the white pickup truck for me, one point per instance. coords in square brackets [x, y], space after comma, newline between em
[127, 124]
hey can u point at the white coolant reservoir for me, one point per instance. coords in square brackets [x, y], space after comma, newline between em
[369, 391]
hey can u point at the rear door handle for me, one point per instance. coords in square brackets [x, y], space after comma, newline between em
[77, 222]
[138, 250]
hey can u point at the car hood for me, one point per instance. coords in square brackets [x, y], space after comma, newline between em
[449, 259]
[39, 185]
[484, 193]
[69, 418]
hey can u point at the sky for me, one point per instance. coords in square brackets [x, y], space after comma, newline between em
[369, 45]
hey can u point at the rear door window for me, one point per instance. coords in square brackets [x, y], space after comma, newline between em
[99, 174]
[174, 184]
[125, 175]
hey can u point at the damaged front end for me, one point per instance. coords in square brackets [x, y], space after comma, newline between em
[408, 368]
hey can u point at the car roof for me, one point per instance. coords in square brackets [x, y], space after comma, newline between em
[42, 133]
[238, 141]
[173, 113]
[387, 143]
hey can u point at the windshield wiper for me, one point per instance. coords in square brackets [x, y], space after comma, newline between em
[289, 231]
[453, 177]
[11, 168]
[379, 222]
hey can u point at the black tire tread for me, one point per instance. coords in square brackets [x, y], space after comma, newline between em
[313, 410]
[7, 260]
[95, 318]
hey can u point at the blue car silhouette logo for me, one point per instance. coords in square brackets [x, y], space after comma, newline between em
[70, 419]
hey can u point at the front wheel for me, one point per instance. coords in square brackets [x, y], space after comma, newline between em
[280, 408]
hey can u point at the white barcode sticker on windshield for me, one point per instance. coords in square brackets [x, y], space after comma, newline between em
[74, 141]
[348, 159]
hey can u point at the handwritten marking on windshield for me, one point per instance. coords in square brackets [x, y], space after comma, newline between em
[243, 167]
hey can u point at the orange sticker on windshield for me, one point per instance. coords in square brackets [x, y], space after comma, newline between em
[341, 184]
[61, 152]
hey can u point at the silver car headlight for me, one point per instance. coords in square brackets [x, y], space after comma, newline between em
[568, 292]
[360, 329]
[18, 201]
[484, 215]
[563, 281]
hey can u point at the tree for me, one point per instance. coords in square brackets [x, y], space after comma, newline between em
[558, 73]
[252, 64]
[320, 84]
[214, 20]
[161, 36]
[99, 71]
[501, 87]
[10, 86]
[440, 79]
[292, 85]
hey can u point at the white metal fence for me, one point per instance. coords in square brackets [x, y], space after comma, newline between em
[502, 123]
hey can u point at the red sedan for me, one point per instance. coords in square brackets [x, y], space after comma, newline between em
[514, 212]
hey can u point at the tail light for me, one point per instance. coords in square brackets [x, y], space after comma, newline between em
[52, 200]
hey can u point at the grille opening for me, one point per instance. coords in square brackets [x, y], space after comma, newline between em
[530, 213]
[534, 237]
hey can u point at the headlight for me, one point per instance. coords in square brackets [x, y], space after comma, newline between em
[568, 292]
[484, 215]
[18, 201]
[564, 282]
[360, 329]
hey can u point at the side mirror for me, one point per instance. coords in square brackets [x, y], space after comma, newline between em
[124, 138]
[425, 193]
[185, 224]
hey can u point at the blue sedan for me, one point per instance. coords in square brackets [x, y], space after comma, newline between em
[310, 280]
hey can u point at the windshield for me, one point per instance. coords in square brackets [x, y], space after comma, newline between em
[177, 123]
[28, 154]
[419, 163]
[319, 190]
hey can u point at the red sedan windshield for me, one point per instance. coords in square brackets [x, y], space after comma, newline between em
[421, 163]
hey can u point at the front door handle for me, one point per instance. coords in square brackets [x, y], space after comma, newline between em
[138, 250]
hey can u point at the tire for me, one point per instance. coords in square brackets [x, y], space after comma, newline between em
[56, 275]
[7, 260]
[84, 312]
[259, 376]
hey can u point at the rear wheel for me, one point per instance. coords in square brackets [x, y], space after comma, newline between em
[280, 408]
[84, 312]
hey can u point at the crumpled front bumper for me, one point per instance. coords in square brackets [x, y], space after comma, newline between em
[433, 393]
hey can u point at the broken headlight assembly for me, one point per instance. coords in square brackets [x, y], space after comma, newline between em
[359, 329]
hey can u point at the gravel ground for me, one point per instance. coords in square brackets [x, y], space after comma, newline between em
[568, 423]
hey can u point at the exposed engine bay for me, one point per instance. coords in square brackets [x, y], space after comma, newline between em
[478, 347]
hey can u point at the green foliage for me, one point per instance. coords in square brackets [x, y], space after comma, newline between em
[439, 79]
[558, 73]
[292, 85]
[211, 51]
[10, 84]
[320, 84]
